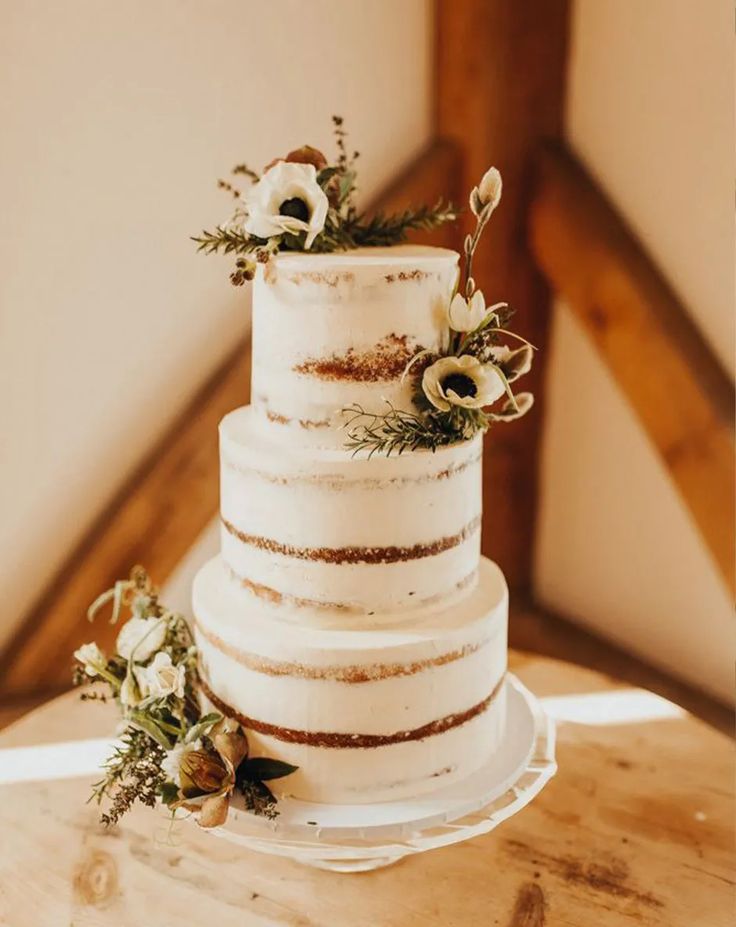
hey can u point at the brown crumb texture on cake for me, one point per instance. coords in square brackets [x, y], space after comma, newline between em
[322, 278]
[387, 360]
[268, 594]
[350, 741]
[279, 598]
[332, 481]
[405, 275]
[305, 423]
[339, 555]
[349, 673]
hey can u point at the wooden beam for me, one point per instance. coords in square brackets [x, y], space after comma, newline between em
[673, 381]
[153, 520]
[435, 174]
[158, 514]
[500, 72]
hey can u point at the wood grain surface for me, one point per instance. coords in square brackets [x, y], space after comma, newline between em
[635, 830]
[154, 520]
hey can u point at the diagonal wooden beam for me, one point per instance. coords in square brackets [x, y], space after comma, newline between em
[153, 520]
[673, 381]
[435, 174]
[157, 515]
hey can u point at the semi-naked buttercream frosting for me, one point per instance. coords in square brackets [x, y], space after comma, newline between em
[368, 712]
[337, 329]
[349, 623]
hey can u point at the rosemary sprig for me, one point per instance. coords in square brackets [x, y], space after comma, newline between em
[227, 241]
[397, 431]
[382, 230]
[133, 773]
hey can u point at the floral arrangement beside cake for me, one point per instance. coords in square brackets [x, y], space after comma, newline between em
[349, 643]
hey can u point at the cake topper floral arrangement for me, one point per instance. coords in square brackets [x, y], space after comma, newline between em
[169, 750]
[303, 203]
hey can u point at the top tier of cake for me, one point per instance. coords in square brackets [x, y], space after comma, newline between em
[333, 330]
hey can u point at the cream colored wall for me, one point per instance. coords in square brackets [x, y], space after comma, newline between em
[650, 112]
[116, 120]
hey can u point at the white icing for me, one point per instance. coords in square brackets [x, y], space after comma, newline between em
[386, 773]
[466, 649]
[310, 499]
[308, 307]
[416, 640]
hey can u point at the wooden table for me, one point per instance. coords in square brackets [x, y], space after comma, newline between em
[636, 828]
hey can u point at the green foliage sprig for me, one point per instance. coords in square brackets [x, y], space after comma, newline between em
[344, 227]
[396, 431]
[169, 750]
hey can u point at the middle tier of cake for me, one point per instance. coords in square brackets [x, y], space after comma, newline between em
[323, 530]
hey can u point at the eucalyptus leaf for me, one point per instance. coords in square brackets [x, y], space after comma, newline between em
[169, 793]
[263, 768]
[327, 173]
[202, 727]
[145, 723]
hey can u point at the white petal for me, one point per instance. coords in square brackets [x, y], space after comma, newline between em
[490, 189]
[459, 314]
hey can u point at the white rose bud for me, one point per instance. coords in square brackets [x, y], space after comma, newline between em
[162, 678]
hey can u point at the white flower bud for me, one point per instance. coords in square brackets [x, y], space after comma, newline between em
[489, 191]
[467, 314]
[140, 638]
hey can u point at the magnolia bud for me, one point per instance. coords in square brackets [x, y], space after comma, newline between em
[489, 191]
[201, 773]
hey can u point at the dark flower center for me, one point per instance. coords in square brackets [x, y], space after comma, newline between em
[460, 384]
[296, 208]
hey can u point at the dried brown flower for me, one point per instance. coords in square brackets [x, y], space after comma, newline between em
[304, 155]
[202, 771]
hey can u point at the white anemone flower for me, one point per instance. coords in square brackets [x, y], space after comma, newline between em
[461, 381]
[467, 314]
[140, 638]
[162, 678]
[287, 198]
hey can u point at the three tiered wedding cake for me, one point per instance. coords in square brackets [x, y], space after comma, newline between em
[350, 624]
[349, 643]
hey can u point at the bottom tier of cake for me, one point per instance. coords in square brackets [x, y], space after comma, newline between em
[382, 711]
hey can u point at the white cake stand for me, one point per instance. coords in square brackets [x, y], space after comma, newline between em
[357, 838]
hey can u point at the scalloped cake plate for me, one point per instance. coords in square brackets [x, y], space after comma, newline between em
[355, 838]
